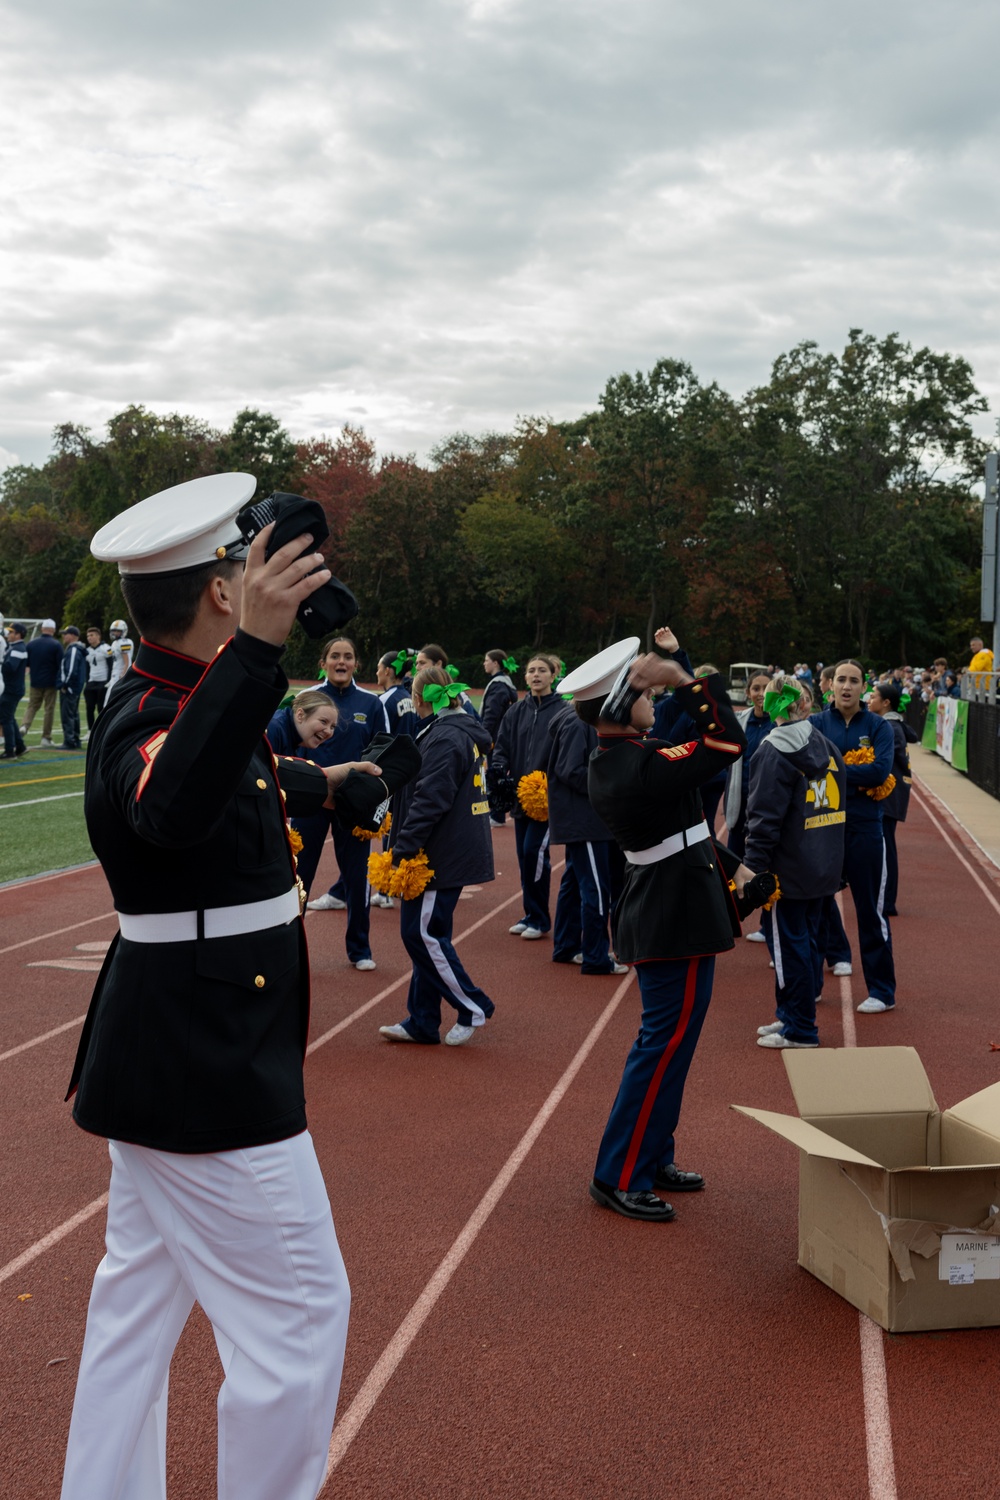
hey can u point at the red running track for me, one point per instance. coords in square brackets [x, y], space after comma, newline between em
[509, 1338]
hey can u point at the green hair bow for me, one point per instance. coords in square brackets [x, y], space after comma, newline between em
[452, 672]
[401, 663]
[904, 701]
[776, 705]
[439, 695]
[510, 663]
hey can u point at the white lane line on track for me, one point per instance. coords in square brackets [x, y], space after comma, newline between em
[52, 1238]
[926, 799]
[43, 936]
[388, 1362]
[33, 801]
[17, 885]
[874, 1381]
[46, 1036]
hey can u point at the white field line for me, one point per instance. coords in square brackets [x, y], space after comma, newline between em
[388, 1362]
[874, 1382]
[46, 1036]
[34, 801]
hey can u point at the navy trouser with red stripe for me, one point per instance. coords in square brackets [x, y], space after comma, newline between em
[639, 1135]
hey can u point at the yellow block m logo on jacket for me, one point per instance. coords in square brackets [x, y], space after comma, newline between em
[825, 797]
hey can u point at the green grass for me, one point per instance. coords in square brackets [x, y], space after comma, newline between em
[47, 832]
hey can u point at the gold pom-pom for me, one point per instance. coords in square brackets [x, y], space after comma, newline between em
[533, 795]
[386, 825]
[877, 793]
[380, 871]
[772, 899]
[366, 833]
[411, 877]
[865, 756]
[294, 839]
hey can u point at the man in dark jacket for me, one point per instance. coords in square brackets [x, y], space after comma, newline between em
[44, 664]
[191, 1056]
[15, 662]
[583, 906]
[444, 814]
[72, 677]
[795, 829]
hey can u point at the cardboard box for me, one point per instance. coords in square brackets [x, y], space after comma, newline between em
[898, 1203]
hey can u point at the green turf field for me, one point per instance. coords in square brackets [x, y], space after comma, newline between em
[41, 810]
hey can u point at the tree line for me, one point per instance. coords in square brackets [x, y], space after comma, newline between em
[831, 511]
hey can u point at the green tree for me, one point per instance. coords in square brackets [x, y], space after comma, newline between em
[257, 444]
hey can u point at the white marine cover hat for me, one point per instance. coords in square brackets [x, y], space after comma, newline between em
[178, 529]
[596, 677]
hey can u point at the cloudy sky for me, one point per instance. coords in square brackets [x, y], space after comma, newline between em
[424, 216]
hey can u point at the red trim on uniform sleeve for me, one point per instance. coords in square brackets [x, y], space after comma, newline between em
[149, 751]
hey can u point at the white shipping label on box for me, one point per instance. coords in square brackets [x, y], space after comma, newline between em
[963, 1260]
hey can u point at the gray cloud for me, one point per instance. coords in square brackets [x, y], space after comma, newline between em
[448, 212]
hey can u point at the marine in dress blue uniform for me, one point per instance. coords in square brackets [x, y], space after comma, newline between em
[674, 915]
[190, 1060]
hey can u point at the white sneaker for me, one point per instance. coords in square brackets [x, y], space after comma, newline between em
[326, 903]
[874, 1007]
[620, 969]
[494, 823]
[47, 744]
[770, 1028]
[531, 934]
[384, 901]
[517, 928]
[364, 964]
[458, 1035]
[842, 971]
[578, 958]
[755, 937]
[395, 1033]
[779, 1043]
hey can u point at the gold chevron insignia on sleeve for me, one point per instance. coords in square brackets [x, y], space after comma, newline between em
[678, 752]
[149, 751]
[725, 745]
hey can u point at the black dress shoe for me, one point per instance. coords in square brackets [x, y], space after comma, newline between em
[644, 1205]
[672, 1180]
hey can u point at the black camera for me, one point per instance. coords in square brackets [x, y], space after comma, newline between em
[333, 605]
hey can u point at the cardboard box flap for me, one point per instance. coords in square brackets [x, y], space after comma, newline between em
[981, 1111]
[814, 1142]
[858, 1080]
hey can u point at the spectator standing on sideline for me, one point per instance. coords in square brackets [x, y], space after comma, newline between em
[867, 745]
[98, 674]
[72, 676]
[14, 666]
[499, 695]
[982, 658]
[884, 701]
[44, 665]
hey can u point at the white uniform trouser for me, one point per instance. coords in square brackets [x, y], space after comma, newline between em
[249, 1235]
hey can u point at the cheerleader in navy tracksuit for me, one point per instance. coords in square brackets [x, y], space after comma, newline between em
[359, 718]
[500, 693]
[444, 813]
[397, 705]
[521, 747]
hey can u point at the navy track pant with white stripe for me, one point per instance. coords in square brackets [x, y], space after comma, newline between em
[425, 925]
[639, 1135]
[532, 841]
[798, 965]
[865, 870]
[583, 908]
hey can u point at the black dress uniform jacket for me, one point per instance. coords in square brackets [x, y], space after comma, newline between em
[444, 811]
[196, 1046]
[646, 790]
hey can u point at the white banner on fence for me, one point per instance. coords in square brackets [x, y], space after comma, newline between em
[947, 712]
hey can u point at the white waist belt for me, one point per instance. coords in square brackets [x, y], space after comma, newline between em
[673, 845]
[219, 921]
